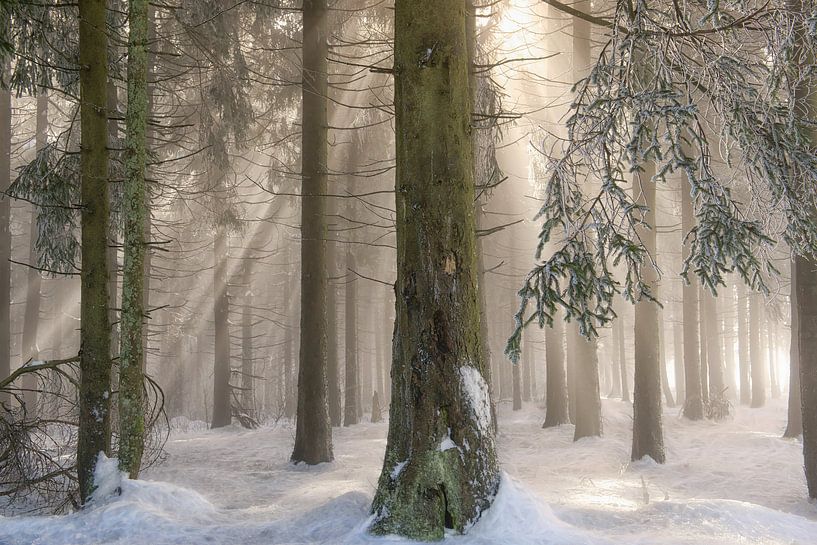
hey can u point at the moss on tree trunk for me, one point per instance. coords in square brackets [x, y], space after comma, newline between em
[440, 469]
[134, 213]
[94, 434]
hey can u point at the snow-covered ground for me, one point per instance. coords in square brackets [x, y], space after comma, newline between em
[727, 483]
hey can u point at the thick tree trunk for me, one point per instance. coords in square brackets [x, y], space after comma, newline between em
[134, 213]
[693, 400]
[440, 469]
[556, 383]
[94, 435]
[313, 432]
[794, 424]
[351, 409]
[222, 412]
[247, 356]
[648, 437]
[755, 353]
[743, 346]
[5, 232]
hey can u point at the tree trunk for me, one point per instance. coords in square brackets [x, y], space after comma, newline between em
[31, 319]
[714, 356]
[622, 358]
[770, 341]
[743, 347]
[517, 385]
[662, 360]
[587, 417]
[755, 353]
[247, 356]
[351, 409]
[134, 214]
[556, 405]
[615, 370]
[527, 367]
[794, 424]
[222, 412]
[332, 353]
[440, 394]
[5, 232]
[678, 356]
[648, 437]
[94, 435]
[703, 338]
[693, 401]
[313, 432]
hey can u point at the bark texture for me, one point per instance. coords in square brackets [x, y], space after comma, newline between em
[134, 212]
[94, 435]
[556, 399]
[648, 438]
[440, 396]
[693, 400]
[313, 431]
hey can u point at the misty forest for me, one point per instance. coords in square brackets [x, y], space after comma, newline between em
[517, 272]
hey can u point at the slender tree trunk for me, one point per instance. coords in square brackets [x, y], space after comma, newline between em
[528, 370]
[517, 385]
[615, 370]
[743, 347]
[770, 341]
[648, 437]
[794, 425]
[31, 319]
[351, 410]
[703, 339]
[94, 435]
[678, 357]
[662, 360]
[756, 355]
[622, 359]
[556, 383]
[134, 213]
[693, 401]
[440, 392]
[313, 432]
[222, 412]
[5, 232]
[247, 355]
[332, 353]
[713, 348]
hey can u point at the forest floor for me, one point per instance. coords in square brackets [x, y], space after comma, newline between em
[735, 482]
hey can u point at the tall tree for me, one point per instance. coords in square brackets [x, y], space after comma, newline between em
[440, 395]
[5, 231]
[94, 434]
[134, 213]
[648, 437]
[794, 422]
[744, 367]
[755, 353]
[351, 408]
[313, 431]
[693, 402]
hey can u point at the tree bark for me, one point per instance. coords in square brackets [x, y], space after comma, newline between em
[134, 213]
[556, 405]
[755, 353]
[714, 356]
[440, 393]
[648, 437]
[794, 424]
[743, 347]
[622, 358]
[222, 413]
[678, 356]
[313, 431]
[693, 401]
[587, 416]
[5, 232]
[351, 409]
[94, 435]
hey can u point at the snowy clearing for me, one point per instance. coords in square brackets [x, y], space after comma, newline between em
[736, 482]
